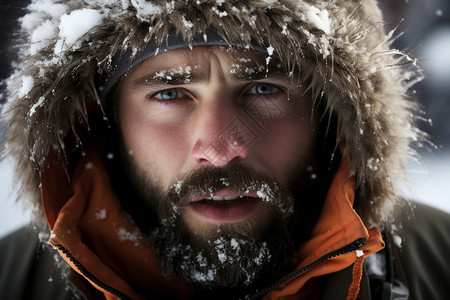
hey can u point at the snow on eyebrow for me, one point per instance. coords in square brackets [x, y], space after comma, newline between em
[74, 25]
[179, 75]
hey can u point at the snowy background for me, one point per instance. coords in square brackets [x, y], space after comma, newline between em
[428, 39]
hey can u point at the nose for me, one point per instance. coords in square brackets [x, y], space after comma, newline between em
[222, 134]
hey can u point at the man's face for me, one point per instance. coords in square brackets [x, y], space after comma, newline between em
[225, 134]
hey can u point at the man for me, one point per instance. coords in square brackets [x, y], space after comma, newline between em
[227, 149]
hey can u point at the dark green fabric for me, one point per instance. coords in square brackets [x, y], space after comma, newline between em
[425, 254]
[337, 284]
[28, 269]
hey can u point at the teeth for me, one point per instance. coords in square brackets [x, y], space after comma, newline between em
[218, 198]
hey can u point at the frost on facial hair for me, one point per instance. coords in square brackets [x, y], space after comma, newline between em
[201, 268]
[229, 251]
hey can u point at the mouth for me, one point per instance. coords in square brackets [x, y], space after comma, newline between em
[225, 207]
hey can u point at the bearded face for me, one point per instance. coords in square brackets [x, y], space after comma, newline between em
[228, 253]
[219, 147]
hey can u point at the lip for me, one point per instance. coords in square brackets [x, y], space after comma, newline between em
[225, 206]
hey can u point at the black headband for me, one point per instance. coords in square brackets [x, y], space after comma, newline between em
[123, 62]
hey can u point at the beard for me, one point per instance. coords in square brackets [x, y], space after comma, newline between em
[220, 257]
[213, 256]
[232, 255]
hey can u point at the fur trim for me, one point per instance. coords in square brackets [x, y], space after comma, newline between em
[339, 47]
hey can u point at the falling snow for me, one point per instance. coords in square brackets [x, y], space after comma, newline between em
[126, 236]
[101, 215]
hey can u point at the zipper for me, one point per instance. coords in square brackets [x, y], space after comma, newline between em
[89, 275]
[344, 250]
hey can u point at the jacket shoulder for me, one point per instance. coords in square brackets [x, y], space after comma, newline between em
[425, 253]
[28, 269]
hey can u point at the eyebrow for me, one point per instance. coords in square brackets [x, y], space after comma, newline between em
[164, 77]
[168, 78]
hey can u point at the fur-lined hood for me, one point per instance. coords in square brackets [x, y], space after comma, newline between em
[339, 47]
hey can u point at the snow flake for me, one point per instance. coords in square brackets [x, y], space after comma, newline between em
[219, 12]
[36, 105]
[188, 24]
[55, 10]
[376, 264]
[234, 244]
[397, 240]
[203, 262]
[177, 186]
[145, 9]
[224, 181]
[201, 277]
[373, 163]
[222, 257]
[126, 236]
[101, 215]
[359, 253]
[42, 36]
[270, 50]
[319, 18]
[27, 85]
[74, 25]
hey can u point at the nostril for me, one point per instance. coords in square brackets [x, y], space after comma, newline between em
[218, 153]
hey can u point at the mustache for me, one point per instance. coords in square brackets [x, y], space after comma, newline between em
[236, 177]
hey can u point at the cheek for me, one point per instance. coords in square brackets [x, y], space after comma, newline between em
[286, 145]
[157, 148]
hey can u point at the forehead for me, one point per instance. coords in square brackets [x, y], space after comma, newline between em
[201, 58]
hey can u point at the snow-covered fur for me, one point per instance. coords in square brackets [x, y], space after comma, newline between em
[339, 48]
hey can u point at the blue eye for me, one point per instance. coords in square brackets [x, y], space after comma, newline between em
[263, 89]
[169, 94]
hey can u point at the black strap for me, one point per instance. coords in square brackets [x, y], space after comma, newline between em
[390, 285]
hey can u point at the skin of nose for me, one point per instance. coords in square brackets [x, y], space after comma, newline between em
[220, 134]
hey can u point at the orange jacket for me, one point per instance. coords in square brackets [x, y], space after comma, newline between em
[98, 240]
